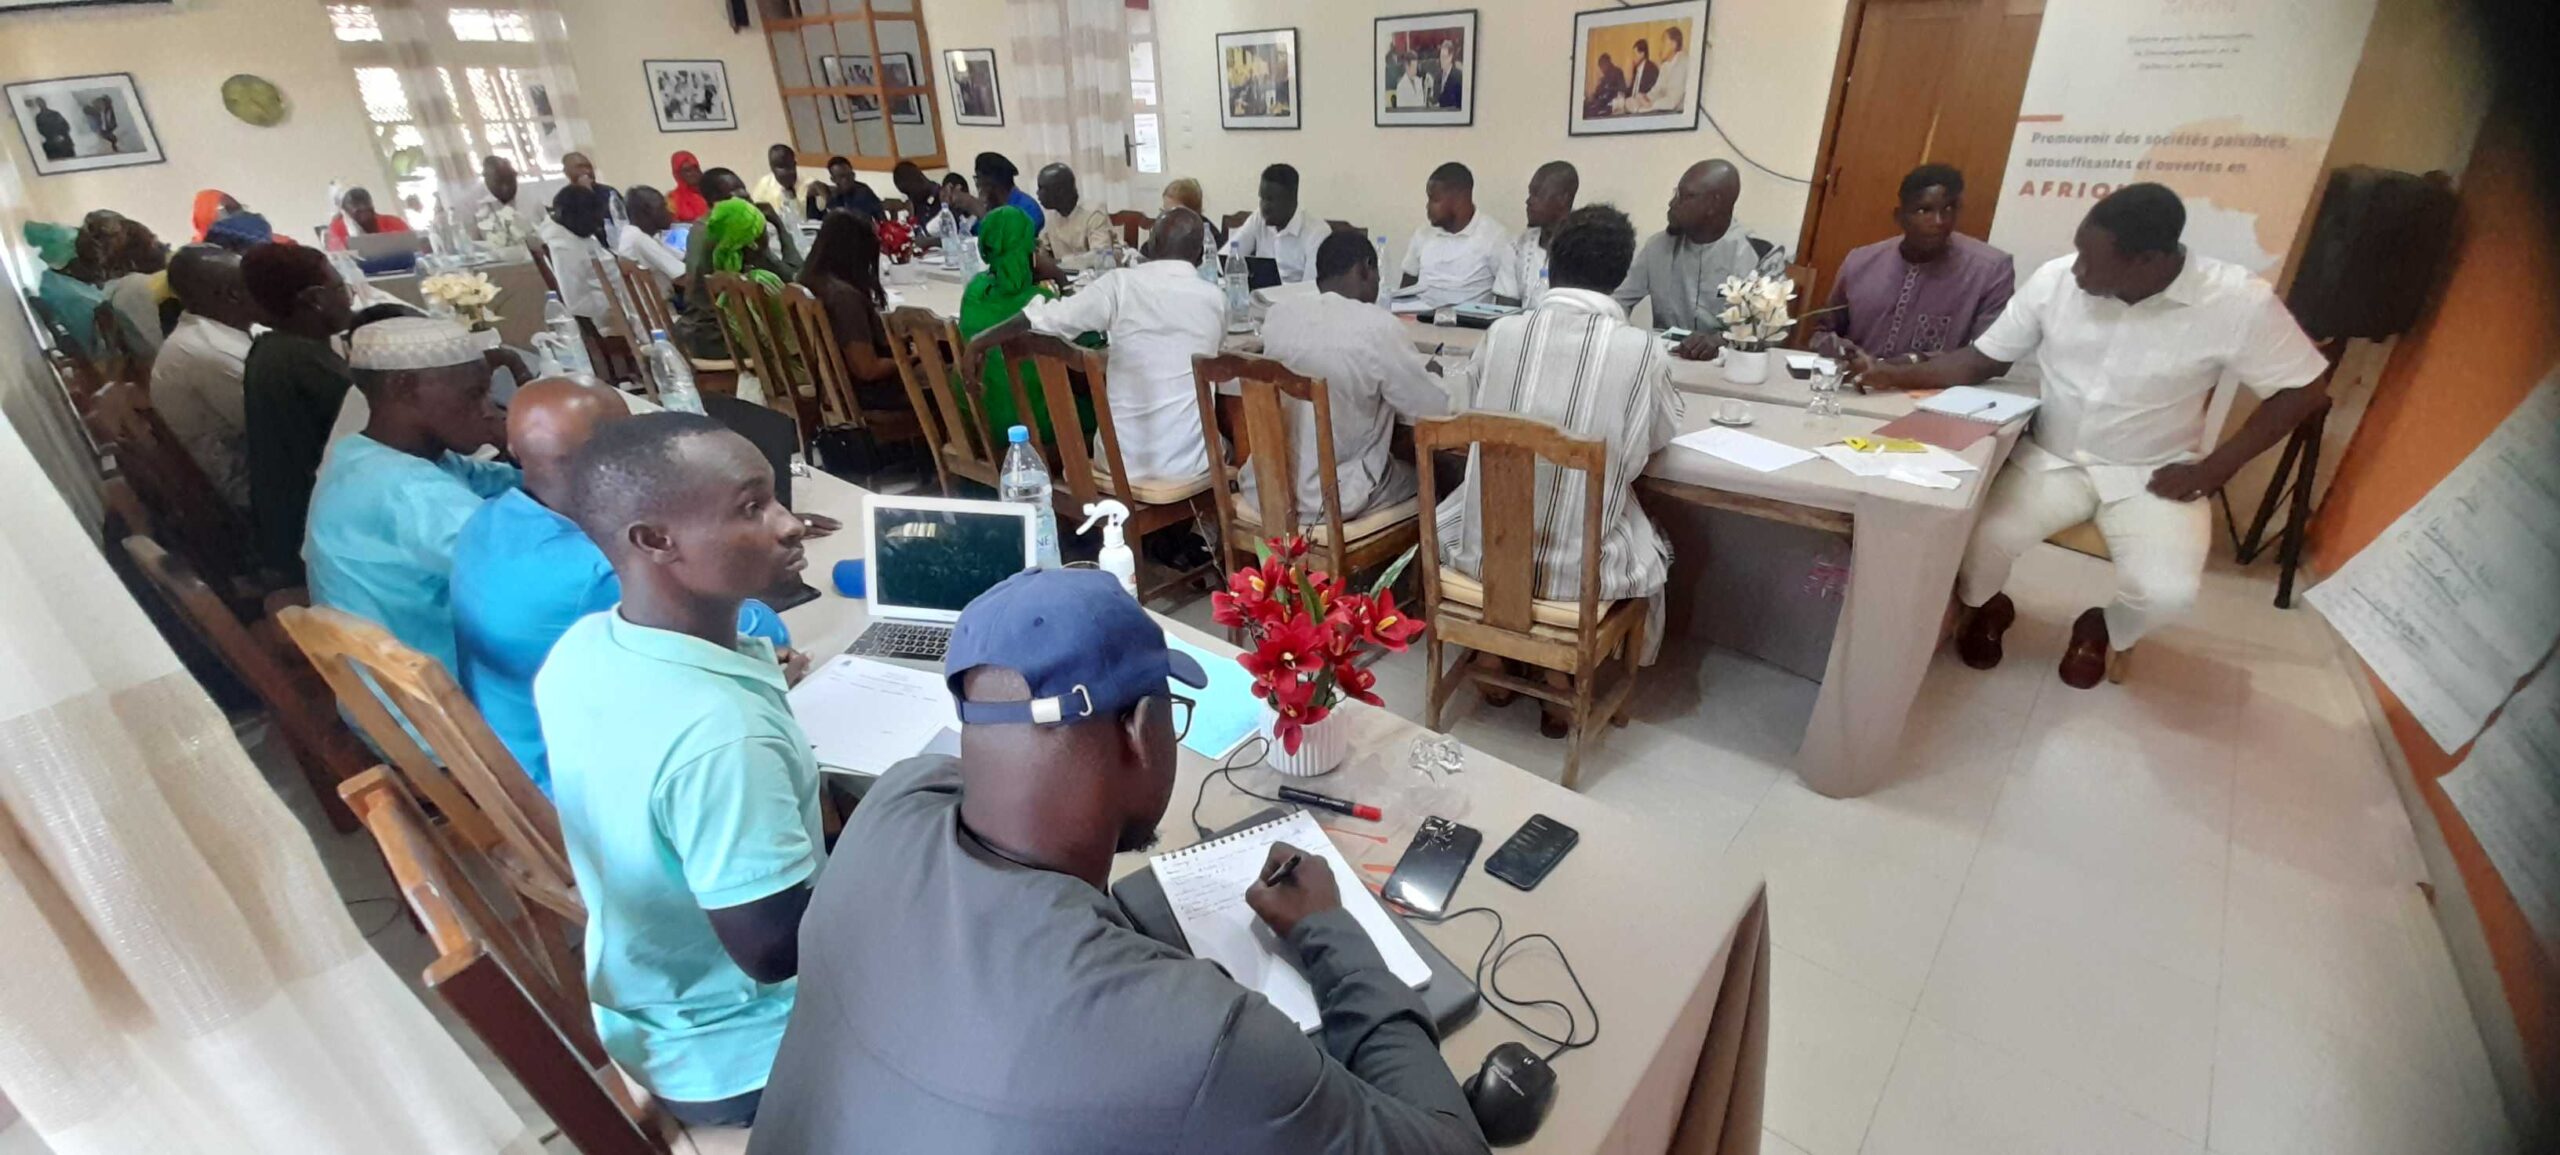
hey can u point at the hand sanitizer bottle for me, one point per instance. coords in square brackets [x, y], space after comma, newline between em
[1116, 559]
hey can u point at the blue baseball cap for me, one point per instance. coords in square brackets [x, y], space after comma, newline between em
[1087, 649]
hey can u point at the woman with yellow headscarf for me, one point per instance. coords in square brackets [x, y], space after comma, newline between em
[1005, 239]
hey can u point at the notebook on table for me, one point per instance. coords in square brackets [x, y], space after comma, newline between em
[1194, 898]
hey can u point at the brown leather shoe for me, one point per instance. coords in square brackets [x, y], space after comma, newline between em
[2084, 663]
[1978, 639]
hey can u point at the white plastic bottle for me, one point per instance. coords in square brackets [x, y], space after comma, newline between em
[1116, 559]
[1026, 479]
[673, 375]
[567, 345]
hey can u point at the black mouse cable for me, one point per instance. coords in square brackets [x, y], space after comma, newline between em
[1495, 996]
[1245, 754]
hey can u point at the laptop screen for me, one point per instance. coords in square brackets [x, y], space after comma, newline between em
[942, 559]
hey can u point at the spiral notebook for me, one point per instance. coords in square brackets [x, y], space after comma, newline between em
[1206, 883]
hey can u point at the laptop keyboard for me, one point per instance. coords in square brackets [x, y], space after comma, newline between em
[904, 640]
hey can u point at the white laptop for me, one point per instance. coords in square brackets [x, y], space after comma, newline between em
[928, 557]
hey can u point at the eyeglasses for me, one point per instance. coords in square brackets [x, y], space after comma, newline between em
[1181, 715]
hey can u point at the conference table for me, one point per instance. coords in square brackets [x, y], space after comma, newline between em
[1672, 946]
[1905, 541]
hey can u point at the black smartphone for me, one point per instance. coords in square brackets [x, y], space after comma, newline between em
[1524, 859]
[1429, 871]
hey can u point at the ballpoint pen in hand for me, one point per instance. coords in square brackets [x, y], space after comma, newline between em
[1283, 871]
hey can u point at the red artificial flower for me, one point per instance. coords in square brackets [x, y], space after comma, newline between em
[1356, 682]
[1286, 650]
[1293, 713]
[1247, 598]
[1388, 626]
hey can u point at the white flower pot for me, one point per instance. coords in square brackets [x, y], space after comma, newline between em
[1322, 748]
[1745, 366]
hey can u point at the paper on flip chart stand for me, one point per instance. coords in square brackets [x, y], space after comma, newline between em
[1206, 883]
[1749, 451]
[2508, 790]
[864, 716]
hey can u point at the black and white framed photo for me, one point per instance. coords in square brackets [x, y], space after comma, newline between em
[1426, 69]
[976, 98]
[1638, 69]
[690, 95]
[1258, 79]
[853, 72]
[84, 123]
[898, 70]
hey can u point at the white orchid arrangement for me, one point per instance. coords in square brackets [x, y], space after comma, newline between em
[467, 294]
[1755, 312]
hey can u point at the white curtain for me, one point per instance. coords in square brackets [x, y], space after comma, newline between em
[177, 975]
[1069, 82]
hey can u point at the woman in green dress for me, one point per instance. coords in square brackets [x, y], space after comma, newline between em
[1005, 239]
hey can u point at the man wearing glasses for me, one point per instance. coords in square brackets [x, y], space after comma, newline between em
[967, 983]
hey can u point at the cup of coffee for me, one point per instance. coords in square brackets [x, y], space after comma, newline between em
[1733, 411]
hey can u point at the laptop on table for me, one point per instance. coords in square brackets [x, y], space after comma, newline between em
[926, 559]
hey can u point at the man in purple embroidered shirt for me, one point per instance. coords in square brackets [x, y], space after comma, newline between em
[1929, 290]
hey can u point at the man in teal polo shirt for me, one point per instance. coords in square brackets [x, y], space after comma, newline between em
[687, 794]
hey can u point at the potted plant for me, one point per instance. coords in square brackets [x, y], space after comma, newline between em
[467, 296]
[1305, 636]
[1755, 316]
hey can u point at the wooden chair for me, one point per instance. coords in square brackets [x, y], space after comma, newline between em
[710, 374]
[1234, 221]
[190, 513]
[926, 347]
[1133, 224]
[487, 801]
[1500, 614]
[747, 310]
[822, 357]
[492, 969]
[646, 299]
[541, 255]
[295, 697]
[1372, 539]
[1346, 227]
[1062, 367]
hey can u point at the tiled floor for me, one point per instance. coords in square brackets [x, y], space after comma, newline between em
[2172, 916]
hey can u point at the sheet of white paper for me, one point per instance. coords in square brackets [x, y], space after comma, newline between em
[1924, 478]
[1205, 885]
[864, 716]
[1747, 450]
[2508, 790]
[1980, 404]
[2451, 604]
[1933, 461]
[1407, 306]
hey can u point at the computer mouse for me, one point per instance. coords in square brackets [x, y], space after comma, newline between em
[1511, 1093]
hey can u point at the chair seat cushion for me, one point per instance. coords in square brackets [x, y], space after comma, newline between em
[1358, 529]
[1467, 591]
[1154, 490]
[709, 365]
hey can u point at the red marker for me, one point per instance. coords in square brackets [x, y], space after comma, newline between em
[1329, 802]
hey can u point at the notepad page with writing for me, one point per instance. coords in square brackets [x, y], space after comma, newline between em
[1206, 883]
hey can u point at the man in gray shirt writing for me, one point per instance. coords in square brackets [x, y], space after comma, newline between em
[967, 984]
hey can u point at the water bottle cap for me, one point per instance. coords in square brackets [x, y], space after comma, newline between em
[552, 295]
[657, 334]
[1018, 435]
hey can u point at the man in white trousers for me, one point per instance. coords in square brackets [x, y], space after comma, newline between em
[2132, 334]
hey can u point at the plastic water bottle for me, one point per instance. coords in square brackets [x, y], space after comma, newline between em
[1239, 298]
[1026, 479]
[567, 345]
[673, 373]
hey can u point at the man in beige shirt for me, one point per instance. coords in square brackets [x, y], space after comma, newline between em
[1075, 230]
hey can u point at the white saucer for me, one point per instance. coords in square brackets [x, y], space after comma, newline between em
[1732, 424]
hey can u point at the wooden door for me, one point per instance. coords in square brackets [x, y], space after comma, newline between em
[1925, 80]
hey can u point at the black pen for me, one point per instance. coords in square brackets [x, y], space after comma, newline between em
[1287, 870]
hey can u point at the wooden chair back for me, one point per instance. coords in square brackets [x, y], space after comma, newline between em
[305, 714]
[1346, 227]
[926, 347]
[1503, 452]
[1133, 224]
[747, 310]
[1234, 221]
[491, 969]
[821, 357]
[1066, 369]
[541, 254]
[1266, 385]
[470, 776]
[647, 298]
[190, 512]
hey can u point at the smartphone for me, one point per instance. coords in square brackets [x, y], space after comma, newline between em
[1429, 871]
[1524, 859]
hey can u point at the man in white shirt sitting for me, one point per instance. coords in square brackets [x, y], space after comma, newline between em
[2132, 336]
[195, 382]
[1077, 228]
[1371, 372]
[1158, 316]
[1282, 229]
[497, 209]
[644, 243]
[575, 237]
[1551, 192]
[1461, 255]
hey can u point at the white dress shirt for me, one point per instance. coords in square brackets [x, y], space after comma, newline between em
[1471, 264]
[195, 386]
[1158, 316]
[1526, 276]
[1293, 247]
[1371, 372]
[652, 253]
[500, 223]
[1671, 89]
[2127, 387]
[573, 265]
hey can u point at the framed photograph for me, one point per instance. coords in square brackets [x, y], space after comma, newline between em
[1258, 79]
[1426, 69]
[690, 95]
[84, 123]
[1638, 69]
[898, 70]
[975, 96]
[849, 71]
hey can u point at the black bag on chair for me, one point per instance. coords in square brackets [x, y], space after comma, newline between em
[849, 451]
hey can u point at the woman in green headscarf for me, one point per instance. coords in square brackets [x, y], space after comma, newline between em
[729, 240]
[71, 302]
[1005, 239]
